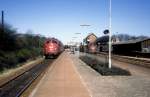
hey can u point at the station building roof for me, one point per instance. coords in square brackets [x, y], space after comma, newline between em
[103, 39]
[131, 41]
[91, 38]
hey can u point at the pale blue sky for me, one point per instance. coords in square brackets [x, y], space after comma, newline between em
[62, 18]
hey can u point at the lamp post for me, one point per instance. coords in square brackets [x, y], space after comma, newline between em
[78, 44]
[110, 33]
[78, 40]
[84, 25]
[74, 41]
[78, 37]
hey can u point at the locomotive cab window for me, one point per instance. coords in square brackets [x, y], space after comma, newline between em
[47, 42]
[53, 41]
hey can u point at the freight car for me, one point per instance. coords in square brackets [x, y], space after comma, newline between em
[52, 48]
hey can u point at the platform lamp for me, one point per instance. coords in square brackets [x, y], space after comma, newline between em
[78, 41]
[74, 41]
[84, 25]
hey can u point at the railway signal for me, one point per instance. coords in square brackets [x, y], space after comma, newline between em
[106, 31]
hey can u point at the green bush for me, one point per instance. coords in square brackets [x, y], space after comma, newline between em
[23, 55]
[9, 60]
[17, 48]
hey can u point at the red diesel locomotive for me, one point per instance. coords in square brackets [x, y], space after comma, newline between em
[52, 48]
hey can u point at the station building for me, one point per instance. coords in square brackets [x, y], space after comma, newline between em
[139, 46]
[89, 41]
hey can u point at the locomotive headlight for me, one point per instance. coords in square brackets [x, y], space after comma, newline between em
[93, 48]
[51, 47]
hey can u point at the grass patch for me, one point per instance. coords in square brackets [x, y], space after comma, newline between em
[102, 67]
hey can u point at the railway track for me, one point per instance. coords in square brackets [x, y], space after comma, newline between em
[16, 86]
[132, 60]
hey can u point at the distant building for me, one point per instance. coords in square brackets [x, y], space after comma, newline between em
[115, 39]
[130, 46]
[145, 45]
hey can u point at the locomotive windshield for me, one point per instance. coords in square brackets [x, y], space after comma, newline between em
[53, 41]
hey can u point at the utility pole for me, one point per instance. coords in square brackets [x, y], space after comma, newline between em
[2, 21]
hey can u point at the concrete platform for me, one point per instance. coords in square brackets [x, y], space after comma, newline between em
[136, 85]
[61, 80]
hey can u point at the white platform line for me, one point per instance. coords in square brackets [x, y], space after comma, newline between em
[82, 80]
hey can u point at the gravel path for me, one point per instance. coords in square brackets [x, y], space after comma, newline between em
[137, 85]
